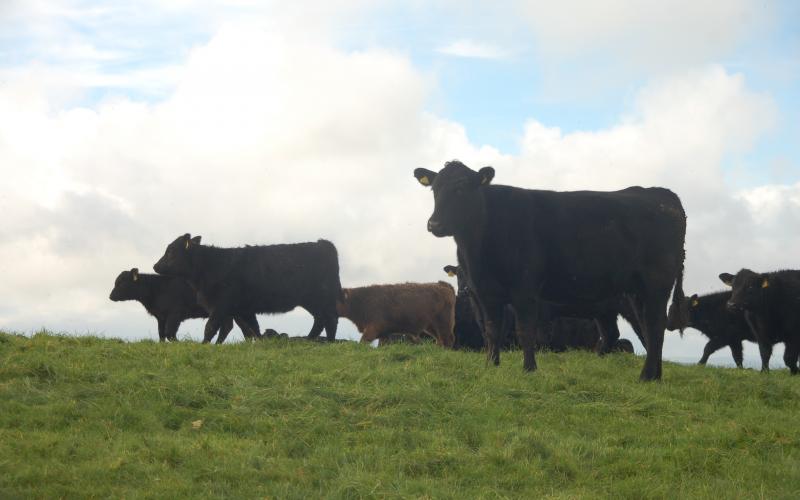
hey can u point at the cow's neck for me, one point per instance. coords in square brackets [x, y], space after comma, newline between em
[469, 244]
[200, 277]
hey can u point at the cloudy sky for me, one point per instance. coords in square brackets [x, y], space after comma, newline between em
[125, 124]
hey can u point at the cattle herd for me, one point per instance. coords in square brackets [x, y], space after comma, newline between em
[535, 269]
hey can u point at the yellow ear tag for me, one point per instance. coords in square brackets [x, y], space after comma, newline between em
[135, 277]
[424, 180]
[451, 273]
[187, 244]
[695, 303]
[765, 284]
[485, 180]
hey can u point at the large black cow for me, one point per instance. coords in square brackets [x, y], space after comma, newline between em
[170, 299]
[259, 279]
[771, 303]
[530, 248]
[710, 315]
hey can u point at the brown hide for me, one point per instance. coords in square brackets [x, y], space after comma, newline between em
[415, 308]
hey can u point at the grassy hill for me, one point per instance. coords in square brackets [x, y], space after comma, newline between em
[88, 417]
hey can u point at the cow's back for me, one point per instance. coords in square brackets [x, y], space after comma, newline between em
[284, 276]
[582, 245]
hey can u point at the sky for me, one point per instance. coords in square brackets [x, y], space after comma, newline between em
[126, 124]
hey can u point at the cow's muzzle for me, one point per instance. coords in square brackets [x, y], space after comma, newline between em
[436, 228]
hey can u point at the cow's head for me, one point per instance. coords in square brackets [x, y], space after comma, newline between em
[457, 196]
[176, 261]
[748, 289]
[127, 286]
[680, 313]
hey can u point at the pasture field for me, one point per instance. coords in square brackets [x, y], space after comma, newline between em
[85, 417]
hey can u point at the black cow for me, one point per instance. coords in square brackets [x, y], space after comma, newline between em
[710, 315]
[170, 299]
[530, 248]
[771, 303]
[259, 279]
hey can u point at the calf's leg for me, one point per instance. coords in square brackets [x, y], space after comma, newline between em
[161, 324]
[713, 345]
[528, 327]
[609, 333]
[492, 314]
[171, 327]
[738, 356]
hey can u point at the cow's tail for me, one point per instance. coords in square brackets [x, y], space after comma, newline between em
[334, 266]
[677, 293]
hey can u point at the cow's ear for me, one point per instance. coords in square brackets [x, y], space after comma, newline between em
[424, 176]
[486, 174]
[695, 301]
[727, 278]
[196, 240]
[765, 283]
[187, 238]
[135, 274]
[451, 270]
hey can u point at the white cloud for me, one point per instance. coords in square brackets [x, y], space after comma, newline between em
[471, 49]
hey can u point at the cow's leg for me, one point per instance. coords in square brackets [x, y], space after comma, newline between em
[224, 330]
[317, 327]
[212, 325]
[713, 345]
[171, 327]
[759, 330]
[738, 355]
[654, 313]
[331, 321]
[162, 321]
[248, 324]
[528, 326]
[790, 356]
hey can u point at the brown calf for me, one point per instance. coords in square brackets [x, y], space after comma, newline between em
[415, 308]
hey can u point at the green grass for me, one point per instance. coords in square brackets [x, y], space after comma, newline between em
[88, 417]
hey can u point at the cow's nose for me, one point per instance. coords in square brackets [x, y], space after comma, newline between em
[432, 225]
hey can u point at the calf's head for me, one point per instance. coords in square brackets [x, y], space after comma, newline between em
[461, 279]
[748, 289]
[343, 304]
[127, 286]
[680, 313]
[457, 196]
[176, 259]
